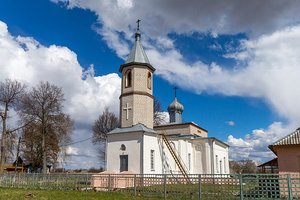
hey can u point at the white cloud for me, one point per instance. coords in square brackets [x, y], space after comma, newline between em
[270, 57]
[255, 145]
[162, 17]
[26, 60]
[72, 150]
[230, 123]
[165, 117]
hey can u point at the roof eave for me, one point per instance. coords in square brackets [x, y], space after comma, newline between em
[149, 66]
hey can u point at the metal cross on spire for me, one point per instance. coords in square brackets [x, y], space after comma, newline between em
[175, 88]
[138, 24]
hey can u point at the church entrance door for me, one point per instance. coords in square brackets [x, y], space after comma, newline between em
[123, 163]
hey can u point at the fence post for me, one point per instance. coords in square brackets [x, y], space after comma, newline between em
[134, 184]
[108, 182]
[199, 186]
[241, 186]
[165, 184]
[86, 182]
[289, 187]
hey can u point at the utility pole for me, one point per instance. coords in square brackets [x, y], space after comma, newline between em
[18, 152]
[3, 138]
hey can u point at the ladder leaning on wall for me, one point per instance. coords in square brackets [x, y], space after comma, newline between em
[175, 157]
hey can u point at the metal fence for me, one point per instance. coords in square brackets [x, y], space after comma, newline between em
[230, 186]
[48, 181]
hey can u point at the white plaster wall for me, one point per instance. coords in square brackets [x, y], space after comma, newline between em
[187, 148]
[222, 152]
[199, 158]
[151, 142]
[183, 147]
[202, 157]
[133, 143]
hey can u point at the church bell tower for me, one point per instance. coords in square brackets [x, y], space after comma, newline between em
[136, 100]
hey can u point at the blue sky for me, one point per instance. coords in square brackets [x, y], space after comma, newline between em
[236, 72]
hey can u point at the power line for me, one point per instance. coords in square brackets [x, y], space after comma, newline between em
[76, 142]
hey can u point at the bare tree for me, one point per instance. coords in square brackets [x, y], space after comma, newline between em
[242, 166]
[158, 116]
[47, 126]
[106, 122]
[248, 166]
[10, 94]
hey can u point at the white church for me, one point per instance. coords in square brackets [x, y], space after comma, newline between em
[141, 148]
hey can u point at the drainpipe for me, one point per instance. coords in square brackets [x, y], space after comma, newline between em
[142, 154]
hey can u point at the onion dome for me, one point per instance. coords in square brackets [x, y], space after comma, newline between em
[175, 110]
[175, 106]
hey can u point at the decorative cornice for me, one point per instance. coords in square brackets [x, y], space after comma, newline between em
[138, 65]
[158, 127]
[136, 92]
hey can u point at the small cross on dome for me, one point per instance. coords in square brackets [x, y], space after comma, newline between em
[138, 24]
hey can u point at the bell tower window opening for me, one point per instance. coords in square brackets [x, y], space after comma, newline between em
[149, 80]
[128, 78]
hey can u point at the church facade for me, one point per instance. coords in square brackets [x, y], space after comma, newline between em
[139, 147]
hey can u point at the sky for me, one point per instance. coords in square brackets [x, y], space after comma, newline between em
[236, 63]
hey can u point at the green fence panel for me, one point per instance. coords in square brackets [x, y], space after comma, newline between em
[170, 186]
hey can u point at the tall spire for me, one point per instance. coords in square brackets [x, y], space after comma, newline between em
[175, 88]
[137, 53]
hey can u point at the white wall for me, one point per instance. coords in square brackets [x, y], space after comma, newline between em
[139, 145]
[183, 147]
[222, 162]
[151, 142]
[133, 142]
[205, 159]
[201, 160]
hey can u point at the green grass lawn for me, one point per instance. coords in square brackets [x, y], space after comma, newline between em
[20, 194]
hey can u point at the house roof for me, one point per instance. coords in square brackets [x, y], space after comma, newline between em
[291, 139]
[134, 128]
[273, 162]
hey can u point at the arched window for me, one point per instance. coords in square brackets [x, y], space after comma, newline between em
[128, 78]
[123, 147]
[149, 81]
